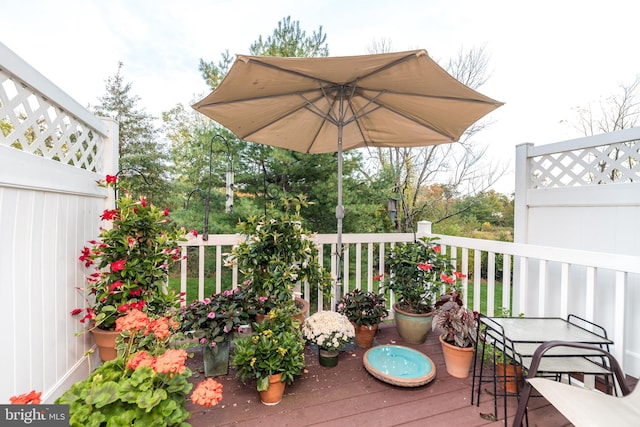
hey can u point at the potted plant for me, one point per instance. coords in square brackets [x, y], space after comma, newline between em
[273, 355]
[212, 322]
[330, 332]
[417, 273]
[458, 325]
[129, 263]
[146, 384]
[365, 310]
[277, 256]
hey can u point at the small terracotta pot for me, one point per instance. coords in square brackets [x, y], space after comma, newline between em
[365, 334]
[273, 395]
[457, 359]
[106, 342]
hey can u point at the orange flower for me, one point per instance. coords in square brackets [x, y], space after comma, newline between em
[160, 328]
[142, 358]
[33, 397]
[134, 320]
[207, 393]
[172, 361]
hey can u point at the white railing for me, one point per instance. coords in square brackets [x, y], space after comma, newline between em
[565, 280]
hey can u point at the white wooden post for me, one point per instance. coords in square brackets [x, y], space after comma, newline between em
[110, 155]
[424, 228]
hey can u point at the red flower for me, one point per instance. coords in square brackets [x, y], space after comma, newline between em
[459, 275]
[378, 277]
[194, 232]
[85, 256]
[436, 249]
[112, 179]
[449, 280]
[135, 293]
[118, 265]
[123, 308]
[143, 202]
[115, 286]
[109, 214]
[425, 266]
[166, 212]
[76, 311]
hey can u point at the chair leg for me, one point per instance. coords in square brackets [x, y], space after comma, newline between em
[523, 400]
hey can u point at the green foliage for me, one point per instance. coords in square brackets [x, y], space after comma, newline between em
[276, 346]
[131, 260]
[143, 157]
[417, 272]
[278, 253]
[146, 384]
[363, 308]
[290, 41]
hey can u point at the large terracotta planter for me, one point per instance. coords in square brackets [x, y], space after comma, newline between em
[273, 395]
[458, 360]
[106, 342]
[365, 334]
[413, 328]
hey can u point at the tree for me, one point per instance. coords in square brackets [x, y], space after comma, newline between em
[143, 157]
[269, 173]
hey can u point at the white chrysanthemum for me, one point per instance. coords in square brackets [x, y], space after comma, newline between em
[329, 330]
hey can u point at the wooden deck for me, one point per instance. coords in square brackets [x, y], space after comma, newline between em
[348, 395]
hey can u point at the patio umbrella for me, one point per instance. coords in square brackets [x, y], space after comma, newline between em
[332, 104]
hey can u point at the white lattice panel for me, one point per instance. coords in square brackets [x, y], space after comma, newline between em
[611, 163]
[30, 121]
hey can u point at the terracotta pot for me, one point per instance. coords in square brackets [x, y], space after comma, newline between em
[365, 334]
[327, 358]
[413, 328]
[514, 378]
[106, 342]
[273, 395]
[457, 359]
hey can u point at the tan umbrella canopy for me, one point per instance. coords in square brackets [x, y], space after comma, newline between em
[332, 104]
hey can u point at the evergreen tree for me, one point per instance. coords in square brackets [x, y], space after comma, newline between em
[143, 157]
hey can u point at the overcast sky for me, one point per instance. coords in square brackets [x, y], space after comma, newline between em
[547, 57]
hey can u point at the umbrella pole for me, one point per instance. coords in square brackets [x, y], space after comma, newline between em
[339, 207]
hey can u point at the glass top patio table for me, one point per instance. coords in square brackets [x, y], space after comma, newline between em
[527, 333]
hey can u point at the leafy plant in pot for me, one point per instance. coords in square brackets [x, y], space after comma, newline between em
[458, 325]
[129, 262]
[418, 272]
[146, 384]
[273, 355]
[213, 322]
[365, 310]
[277, 256]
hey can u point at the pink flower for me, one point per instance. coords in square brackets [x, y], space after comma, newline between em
[211, 315]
